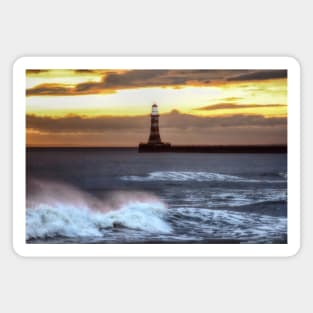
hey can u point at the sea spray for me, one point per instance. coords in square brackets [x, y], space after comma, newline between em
[59, 210]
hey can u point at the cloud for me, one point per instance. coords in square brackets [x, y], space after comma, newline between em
[50, 89]
[64, 90]
[81, 124]
[183, 121]
[35, 72]
[260, 75]
[175, 127]
[85, 71]
[62, 72]
[173, 120]
[224, 106]
[232, 99]
[112, 80]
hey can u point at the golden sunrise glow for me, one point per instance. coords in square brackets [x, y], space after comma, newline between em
[133, 102]
[130, 93]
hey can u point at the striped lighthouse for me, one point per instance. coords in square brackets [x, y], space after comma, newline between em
[154, 143]
[154, 137]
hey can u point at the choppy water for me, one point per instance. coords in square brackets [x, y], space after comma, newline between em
[121, 196]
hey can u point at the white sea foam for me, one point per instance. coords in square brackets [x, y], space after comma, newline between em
[58, 210]
[69, 221]
[230, 224]
[247, 197]
[50, 214]
[284, 175]
[187, 176]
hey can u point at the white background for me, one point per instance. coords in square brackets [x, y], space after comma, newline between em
[155, 28]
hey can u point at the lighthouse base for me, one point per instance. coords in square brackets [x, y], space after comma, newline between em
[154, 147]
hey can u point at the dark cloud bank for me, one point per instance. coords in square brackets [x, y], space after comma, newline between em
[174, 127]
[170, 120]
[155, 78]
[260, 75]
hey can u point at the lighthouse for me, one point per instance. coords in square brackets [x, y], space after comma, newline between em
[154, 137]
[154, 143]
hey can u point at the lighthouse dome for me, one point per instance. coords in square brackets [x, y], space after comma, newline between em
[154, 105]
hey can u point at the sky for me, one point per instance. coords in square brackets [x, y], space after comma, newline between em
[111, 108]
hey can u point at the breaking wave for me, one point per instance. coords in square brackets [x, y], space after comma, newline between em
[176, 176]
[58, 211]
[63, 211]
[188, 176]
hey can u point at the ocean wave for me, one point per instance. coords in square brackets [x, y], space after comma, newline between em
[56, 210]
[61, 220]
[230, 224]
[187, 176]
[242, 197]
[74, 213]
[284, 175]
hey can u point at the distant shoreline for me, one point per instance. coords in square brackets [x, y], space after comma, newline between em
[184, 149]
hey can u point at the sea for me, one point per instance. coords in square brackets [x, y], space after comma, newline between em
[117, 195]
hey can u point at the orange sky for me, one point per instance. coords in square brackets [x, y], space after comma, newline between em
[111, 107]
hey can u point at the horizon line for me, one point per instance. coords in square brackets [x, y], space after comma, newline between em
[132, 147]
